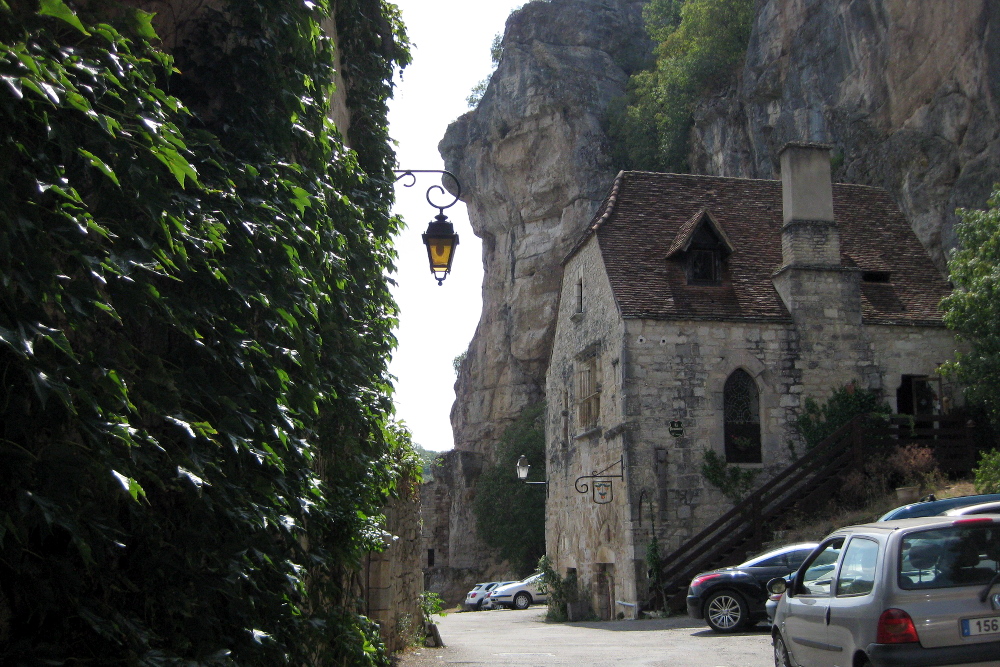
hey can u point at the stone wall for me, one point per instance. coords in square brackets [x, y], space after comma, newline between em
[453, 558]
[392, 578]
[580, 534]
[656, 371]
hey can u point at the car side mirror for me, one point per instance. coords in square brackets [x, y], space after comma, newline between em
[779, 585]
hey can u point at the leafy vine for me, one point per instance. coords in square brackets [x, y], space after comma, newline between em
[194, 332]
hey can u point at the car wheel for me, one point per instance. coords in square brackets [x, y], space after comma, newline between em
[522, 601]
[479, 605]
[781, 658]
[726, 611]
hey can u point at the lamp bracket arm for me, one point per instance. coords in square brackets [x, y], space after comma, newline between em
[584, 487]
[412, 174]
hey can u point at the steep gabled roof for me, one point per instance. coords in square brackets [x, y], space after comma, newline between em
[648, 218]
[687, 233]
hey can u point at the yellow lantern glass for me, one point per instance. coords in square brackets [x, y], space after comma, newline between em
[440, 240]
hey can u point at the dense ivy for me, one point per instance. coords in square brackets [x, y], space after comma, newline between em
[510, 515]
[701, 44]
[194, 331]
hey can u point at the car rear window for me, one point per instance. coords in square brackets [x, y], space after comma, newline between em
[962, 555]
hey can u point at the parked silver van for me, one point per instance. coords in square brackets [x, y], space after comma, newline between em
[908, 593]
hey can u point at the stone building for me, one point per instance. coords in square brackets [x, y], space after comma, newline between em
[697, 313]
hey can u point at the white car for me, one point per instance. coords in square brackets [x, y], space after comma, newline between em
[476, 598]
[981, 508]
[520, 594]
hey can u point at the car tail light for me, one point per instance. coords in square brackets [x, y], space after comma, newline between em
[699, 580]
[472, 595]
[896, 627]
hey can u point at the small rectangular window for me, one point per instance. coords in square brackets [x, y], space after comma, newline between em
[588, 391]
[875, 276]
[579, 295]
[430, 558]
[703, 266]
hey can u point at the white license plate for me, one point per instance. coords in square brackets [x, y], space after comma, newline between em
[980, 626]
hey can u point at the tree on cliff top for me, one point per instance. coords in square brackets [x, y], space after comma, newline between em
[194, 331]
[701, 44]
[973, 308]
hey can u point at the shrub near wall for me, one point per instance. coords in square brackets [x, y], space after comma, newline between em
[194, 329]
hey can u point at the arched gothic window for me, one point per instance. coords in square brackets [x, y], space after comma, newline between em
[741, 408]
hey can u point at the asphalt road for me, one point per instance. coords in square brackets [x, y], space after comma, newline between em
[507, 637]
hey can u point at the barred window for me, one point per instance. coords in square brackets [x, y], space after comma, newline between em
[588, 391]
[741, 408]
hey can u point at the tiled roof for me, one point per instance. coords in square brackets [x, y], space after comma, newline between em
[646, 213]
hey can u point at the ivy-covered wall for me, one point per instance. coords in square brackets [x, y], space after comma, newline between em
[194, 332]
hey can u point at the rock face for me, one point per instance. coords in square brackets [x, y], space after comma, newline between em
[534, 165]
[908, 93]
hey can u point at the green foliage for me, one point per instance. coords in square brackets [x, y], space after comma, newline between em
[818, 422]
[428, 460]
[459, 360]
[654, 568]
[973, 308]
[988, 472]
[701, 44]
[510, 515]
[734, 482]
[496, 49]
[194, 331]
[496, 53]
[559, 590]
[431, 604]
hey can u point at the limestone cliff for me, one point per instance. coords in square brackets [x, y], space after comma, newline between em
[908, 93]
[534, 165]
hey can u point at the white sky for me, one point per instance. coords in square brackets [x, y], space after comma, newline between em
[451, 54]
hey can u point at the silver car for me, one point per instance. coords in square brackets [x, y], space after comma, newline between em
[475, 600]
[909, 593]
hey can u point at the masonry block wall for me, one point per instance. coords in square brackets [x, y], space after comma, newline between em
[799, 305]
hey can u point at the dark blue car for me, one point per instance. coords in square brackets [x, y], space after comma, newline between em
[936, 507]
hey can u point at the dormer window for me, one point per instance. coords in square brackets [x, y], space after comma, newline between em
[703, 266]
[704, 258]
[702, 245]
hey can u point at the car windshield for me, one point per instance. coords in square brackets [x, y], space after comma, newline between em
[960, 555]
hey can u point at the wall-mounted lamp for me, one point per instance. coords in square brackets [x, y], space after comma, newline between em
[522, 472]
[440, 237]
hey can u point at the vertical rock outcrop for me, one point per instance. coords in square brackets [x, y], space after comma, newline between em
[534, 164]
[907, 92]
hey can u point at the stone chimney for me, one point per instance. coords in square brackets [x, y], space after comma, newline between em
[809, 235]
[815, 287]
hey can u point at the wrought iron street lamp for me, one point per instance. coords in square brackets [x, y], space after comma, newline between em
[440, 237]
